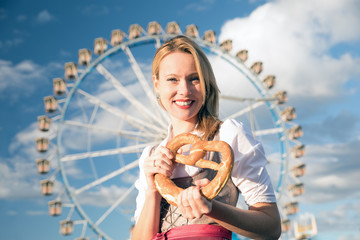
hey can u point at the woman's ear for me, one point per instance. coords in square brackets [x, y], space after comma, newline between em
[155, 82]
[156, 89]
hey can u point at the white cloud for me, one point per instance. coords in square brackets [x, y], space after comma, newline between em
[18, 174]
[334, 19]
[353, 236]
[342, 214]
[16, 40]
[44, 17]
[65, 54]
[21, 18]
[3, 14]
[9, 43]
[11, 213]
[24, 141]
[18, 179]
[330, 181]
[294, 38]
[23, 147]
[16, 78]
[36, 213]
[332, 171]
[106, 196]
[94, 9]
[199, 6]
[23, 78]
[332, 128]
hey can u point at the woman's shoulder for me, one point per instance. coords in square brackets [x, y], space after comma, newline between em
[232, 125]
[232, 129]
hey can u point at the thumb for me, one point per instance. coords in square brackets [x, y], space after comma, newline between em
[202, 182]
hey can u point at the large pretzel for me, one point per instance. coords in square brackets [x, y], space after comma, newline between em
[170, 191]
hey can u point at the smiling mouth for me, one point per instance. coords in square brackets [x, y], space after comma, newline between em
[184, 103]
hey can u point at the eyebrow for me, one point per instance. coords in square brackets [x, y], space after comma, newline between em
[175, 75]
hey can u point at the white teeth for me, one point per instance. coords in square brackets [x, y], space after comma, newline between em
[182, 103]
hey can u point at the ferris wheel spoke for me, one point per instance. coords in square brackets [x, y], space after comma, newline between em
[93, 115]
[89, 140]
[136, 122]
[117, 203]
[240, 99]
[158, 43]
[245, 110]
[124, 133]
[109, 152]
[107, 177]
[268, 131]
[126, 93]
[277, 161]
[144, 83]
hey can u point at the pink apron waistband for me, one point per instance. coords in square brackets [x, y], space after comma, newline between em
[195, 231]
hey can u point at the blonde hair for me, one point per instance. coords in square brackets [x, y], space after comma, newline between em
[208, 114]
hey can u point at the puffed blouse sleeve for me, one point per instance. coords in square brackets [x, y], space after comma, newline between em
[140, 183]
[249, 173]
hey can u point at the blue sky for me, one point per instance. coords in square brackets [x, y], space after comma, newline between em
[311, 46]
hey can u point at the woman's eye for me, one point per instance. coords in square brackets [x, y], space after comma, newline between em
[195, 79]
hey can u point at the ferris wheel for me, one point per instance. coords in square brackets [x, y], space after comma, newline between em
[104, 112]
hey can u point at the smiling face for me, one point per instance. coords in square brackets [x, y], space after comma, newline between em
[179, 87]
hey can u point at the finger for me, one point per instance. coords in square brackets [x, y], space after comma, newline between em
[187, 205]
[182, 199]
[164, 165]
[160, 166]
[184, 205]
[153, 166]
[163, 171]
[162, 158]
[149, 165]
[165, 151]
[196, 202]
[203, 205]
[185, 199]
[163, 161]
[202, 182]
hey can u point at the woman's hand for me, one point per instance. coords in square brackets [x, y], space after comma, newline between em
[191, 203]
[161, 162]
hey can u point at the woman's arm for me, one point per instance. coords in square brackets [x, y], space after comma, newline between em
[261, 221]
[148, 223]
[149, 220]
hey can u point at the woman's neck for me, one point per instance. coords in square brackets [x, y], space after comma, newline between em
[179, 127]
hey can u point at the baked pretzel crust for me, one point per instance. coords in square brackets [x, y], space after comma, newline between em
[170, 191]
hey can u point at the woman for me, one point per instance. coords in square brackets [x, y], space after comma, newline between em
[186, 88]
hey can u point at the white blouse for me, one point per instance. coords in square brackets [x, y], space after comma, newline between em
[249, 173]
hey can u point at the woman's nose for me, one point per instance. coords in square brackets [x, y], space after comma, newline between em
[184, 87]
